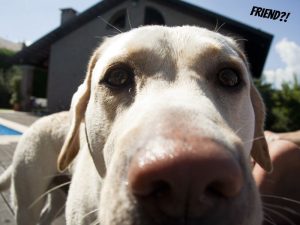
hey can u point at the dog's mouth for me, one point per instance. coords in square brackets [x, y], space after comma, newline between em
[211, 210]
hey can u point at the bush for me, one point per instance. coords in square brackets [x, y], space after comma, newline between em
[5, 54]
[15, 89]
[10, 86]
[282, 105]
[7, 74]
[4, 92]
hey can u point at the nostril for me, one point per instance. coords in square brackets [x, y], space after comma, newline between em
[226, 186]
[160, 188]
[216, 190]
[150, 188]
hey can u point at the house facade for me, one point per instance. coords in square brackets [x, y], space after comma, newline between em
[63, 54]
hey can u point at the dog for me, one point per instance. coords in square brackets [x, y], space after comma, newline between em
[33, 172]
[171, 119]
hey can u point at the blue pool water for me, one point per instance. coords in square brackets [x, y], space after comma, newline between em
[7, 131]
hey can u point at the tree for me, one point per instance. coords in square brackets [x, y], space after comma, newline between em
[282, 105]
[10, 80]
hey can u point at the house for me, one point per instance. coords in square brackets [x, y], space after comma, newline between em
[55, 65]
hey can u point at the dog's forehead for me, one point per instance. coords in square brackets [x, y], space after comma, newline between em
[155, 47]
[186, 40]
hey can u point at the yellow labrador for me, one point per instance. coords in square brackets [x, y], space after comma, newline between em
[171, 118]
[33, 172]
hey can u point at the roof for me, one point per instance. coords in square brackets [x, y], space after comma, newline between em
[37, 53]
[257, 46]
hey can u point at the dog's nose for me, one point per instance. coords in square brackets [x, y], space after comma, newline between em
[184, 178]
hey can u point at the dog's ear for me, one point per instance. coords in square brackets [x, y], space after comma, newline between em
[79, 103]
[259, 151]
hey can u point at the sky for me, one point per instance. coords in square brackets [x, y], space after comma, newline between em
[28, 20]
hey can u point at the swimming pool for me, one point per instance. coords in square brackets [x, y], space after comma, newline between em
[8, 131]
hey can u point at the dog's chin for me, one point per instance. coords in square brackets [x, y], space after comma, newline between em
[137, 217]
[131, 212]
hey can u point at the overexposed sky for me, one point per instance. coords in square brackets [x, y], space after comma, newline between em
[28, 20]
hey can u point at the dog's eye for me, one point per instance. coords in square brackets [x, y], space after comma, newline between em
[118, 77]
[229, 78]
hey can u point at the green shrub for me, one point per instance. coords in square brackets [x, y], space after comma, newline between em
[15, 87]
[282, 105]
[10, 86]
[5, 54]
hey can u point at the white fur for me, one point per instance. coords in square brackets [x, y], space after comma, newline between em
[33, 169]
[172, 89]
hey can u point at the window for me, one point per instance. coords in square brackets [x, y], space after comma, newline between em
[153, 17]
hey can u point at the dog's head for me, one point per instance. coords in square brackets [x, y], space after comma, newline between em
[160, 101]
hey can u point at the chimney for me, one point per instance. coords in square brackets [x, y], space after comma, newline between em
[67, 14]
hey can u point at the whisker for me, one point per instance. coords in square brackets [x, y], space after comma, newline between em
[218, 29]
[47, 192]
[128, 17]
[241, 39]
[269, 219]
[60, 210]
[89, 213]
[254, 139]
[280, 215]
[109, 24]
[287, 209]
[237, 130]
[95, 222]
[55, 175]
[281, 198]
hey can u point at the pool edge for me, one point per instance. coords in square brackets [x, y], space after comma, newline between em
[13, 125]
